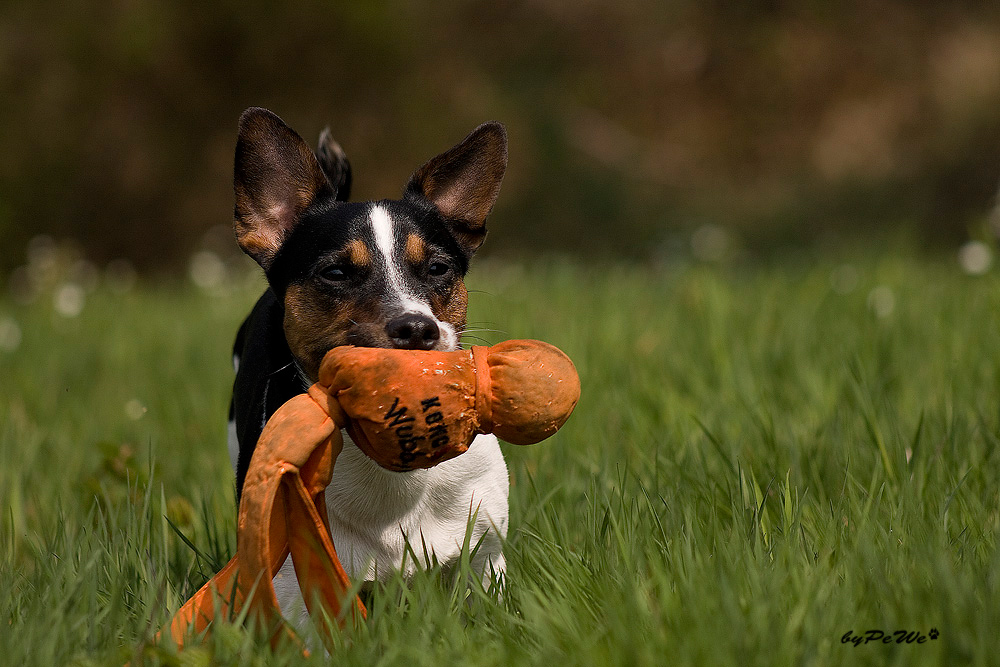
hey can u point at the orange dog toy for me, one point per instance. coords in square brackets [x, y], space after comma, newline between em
[405, 409]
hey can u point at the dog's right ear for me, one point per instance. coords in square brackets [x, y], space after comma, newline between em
[276, 177]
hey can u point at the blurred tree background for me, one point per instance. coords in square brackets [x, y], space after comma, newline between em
[631, 123]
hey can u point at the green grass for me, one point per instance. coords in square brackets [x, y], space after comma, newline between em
[758, 464]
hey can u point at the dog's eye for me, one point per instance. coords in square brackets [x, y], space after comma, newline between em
[336, 273]
[438, 269]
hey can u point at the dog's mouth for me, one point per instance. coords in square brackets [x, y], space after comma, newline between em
[409, 331]
[404, 335]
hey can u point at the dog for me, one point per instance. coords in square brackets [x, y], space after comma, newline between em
[384, 274]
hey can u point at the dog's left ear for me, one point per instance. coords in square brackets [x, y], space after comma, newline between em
[463, 182]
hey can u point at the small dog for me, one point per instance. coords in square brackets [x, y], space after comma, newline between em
[377, 274]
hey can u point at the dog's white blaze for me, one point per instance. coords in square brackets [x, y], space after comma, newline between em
[384, 238]
[382, 229]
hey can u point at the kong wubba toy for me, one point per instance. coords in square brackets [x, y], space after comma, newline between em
[405, 409]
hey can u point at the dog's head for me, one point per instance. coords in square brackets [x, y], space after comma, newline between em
[376, 274]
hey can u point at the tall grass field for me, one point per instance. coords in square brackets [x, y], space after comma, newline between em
[784, 464]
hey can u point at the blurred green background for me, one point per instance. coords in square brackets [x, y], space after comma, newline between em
[638, 129]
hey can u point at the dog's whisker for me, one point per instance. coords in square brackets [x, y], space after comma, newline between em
[465, 332]
[470, 325]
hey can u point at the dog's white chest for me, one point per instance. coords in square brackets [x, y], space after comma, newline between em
[373, 511]
[381, 520]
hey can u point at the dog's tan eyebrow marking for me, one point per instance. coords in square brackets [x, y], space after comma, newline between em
[416, 250]
[358, 253]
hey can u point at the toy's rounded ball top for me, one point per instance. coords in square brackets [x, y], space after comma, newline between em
[534, 388]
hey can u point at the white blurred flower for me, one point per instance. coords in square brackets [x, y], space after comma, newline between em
[882, 301]
[10, 334]
[43, 253]
[134, 409]
[69, 299]
[975, 257]
[206, 269]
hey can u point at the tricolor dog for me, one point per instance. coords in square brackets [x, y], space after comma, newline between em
[383, 273]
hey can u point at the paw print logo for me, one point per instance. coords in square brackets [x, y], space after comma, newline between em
[933, 634]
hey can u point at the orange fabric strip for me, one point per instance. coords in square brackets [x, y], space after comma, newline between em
[214, 597]
[282, 511]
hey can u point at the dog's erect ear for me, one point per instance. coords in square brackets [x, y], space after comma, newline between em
[463, 182]
[276, 177]
[334, 162]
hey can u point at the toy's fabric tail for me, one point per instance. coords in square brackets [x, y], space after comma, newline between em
[405, 409]
[282, 511]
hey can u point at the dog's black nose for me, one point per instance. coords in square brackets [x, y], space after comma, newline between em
[413, 331]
